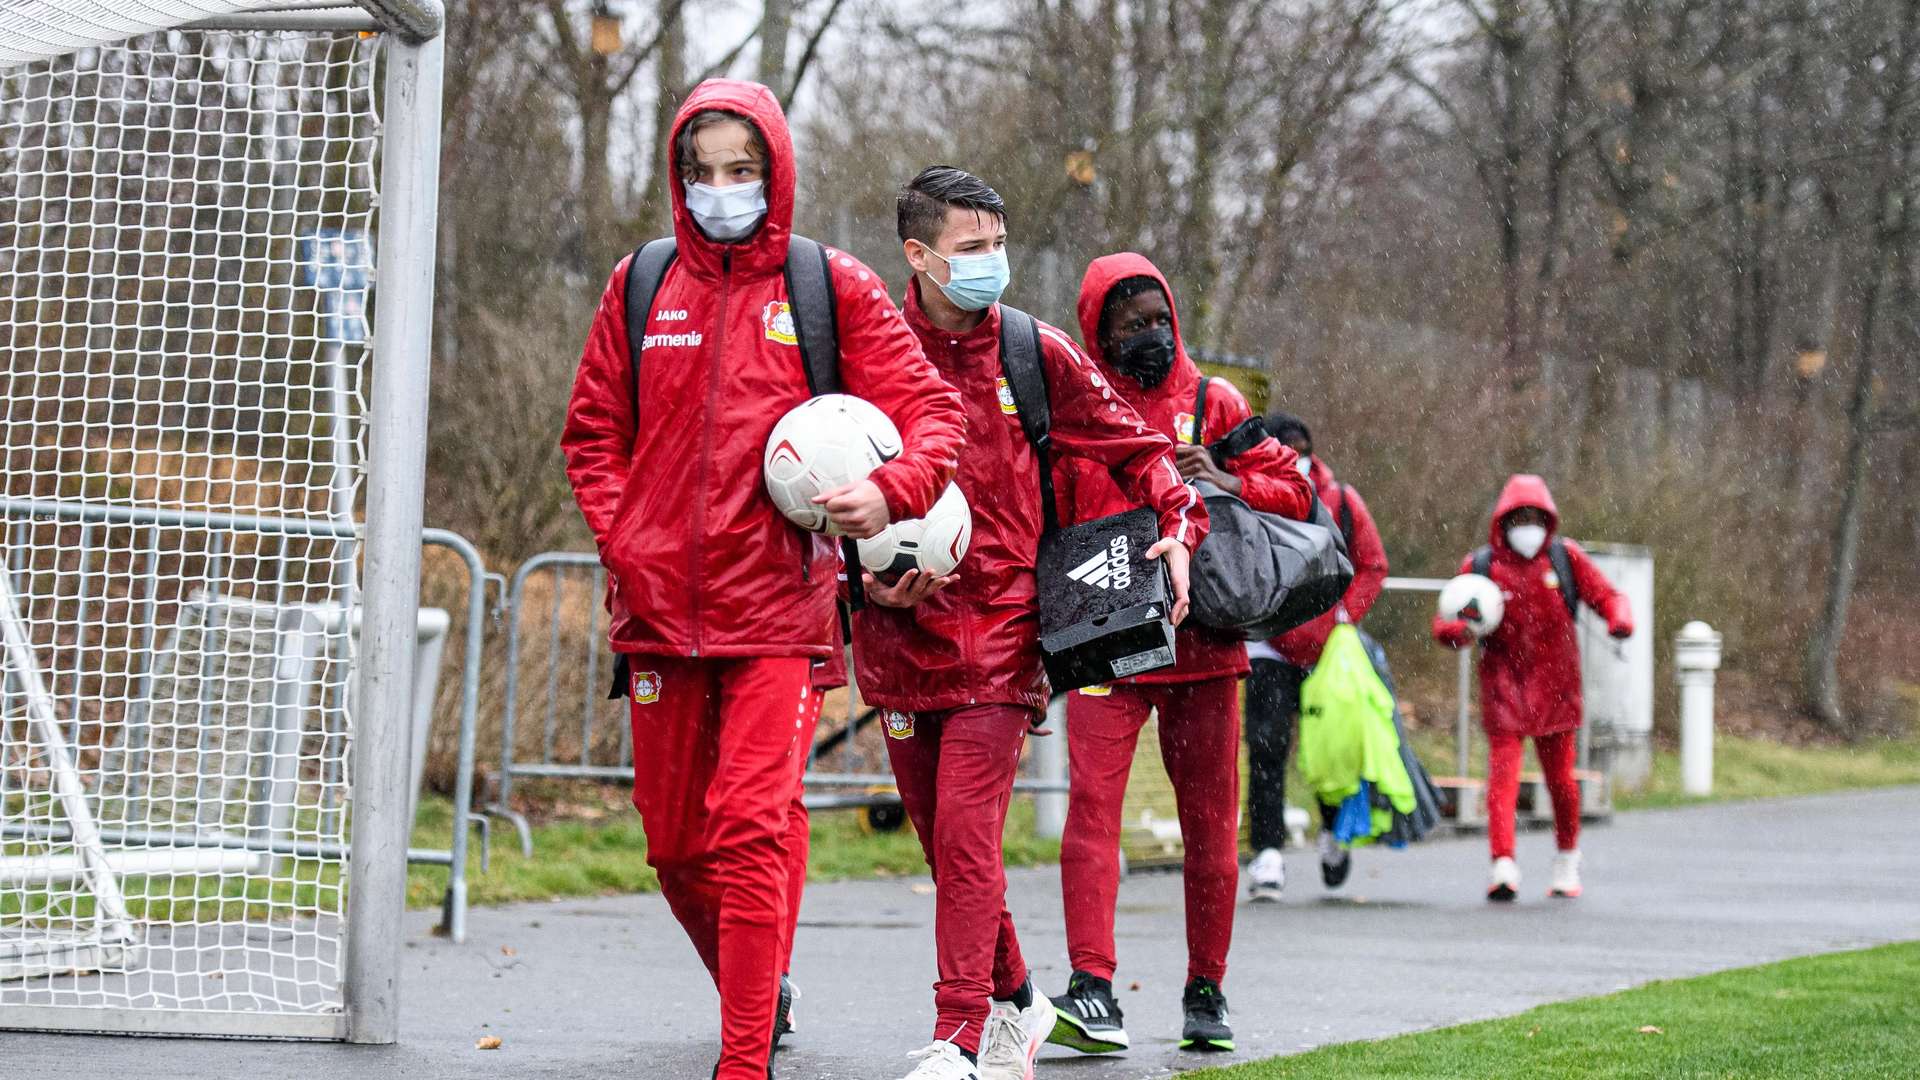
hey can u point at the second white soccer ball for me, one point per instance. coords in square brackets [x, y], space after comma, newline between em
[935, 543]
[821, 444]
[1474, 600]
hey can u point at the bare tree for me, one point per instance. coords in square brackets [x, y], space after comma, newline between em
[1890, 269]
[593, 73]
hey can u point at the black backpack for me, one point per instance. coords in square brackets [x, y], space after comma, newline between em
[809, 294]
[1562, 569]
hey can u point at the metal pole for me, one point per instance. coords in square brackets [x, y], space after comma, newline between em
[454, 918]
[1050, 760]
[396, 481]
[341, 486]
[1463, 729]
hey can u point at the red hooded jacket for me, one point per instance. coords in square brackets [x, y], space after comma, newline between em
[978, 640]
[1269, 472]
[700, 562]
[1301, 645]
[1530, 664]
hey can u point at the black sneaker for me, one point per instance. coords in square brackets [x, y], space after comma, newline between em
[1089, 1018]
[1206, 1027]
[783, 1013]
[1335, 861]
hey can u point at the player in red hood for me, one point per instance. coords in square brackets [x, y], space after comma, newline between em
[1132, 331]
[719, 604]
[1530, 671]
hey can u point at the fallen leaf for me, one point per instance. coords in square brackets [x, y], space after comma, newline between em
[1651, 1030]
[507, 950]
[923, 889]
[488, 1042]
[1532, 1033]
[1134, 986]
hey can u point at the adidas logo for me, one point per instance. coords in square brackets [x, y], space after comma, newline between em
[1091, 1008]
[1106, 570]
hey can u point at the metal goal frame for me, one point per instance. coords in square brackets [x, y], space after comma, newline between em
[389, 544]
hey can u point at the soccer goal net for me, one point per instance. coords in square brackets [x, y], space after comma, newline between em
[187, 190]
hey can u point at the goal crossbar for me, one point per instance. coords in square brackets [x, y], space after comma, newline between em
[41, 29]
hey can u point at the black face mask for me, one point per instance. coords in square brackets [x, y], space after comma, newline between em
[1146, 357]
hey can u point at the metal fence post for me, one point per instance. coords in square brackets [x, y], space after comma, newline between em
[1463, 723]
[396, 478]
[1050, 759]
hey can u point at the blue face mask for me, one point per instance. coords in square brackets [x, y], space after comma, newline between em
[727, 213]
[974, 282]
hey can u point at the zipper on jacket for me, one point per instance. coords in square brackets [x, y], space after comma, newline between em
[706, 446]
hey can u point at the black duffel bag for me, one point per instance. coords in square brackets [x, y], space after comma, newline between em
[1258, 575]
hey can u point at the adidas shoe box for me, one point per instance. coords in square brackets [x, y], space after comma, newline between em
[1105, 609]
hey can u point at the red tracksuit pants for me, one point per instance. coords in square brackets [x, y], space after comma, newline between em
[955, 770]
[719, 747]
[1200, 744]
[1556, 753]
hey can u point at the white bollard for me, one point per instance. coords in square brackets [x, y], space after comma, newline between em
[1696, 656]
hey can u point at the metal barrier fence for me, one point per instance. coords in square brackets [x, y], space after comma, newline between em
[141, 555]
[557, 674]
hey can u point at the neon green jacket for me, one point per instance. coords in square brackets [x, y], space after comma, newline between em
[1347, 733]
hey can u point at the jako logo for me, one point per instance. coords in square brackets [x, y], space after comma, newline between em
[670, 315]
[1108, 570]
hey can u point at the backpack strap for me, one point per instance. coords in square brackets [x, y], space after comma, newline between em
[1020, 359]
[1346, 514]
[1483, 561]
[1200, 409]
[1563, 570]
[810, 295]
[645, 272]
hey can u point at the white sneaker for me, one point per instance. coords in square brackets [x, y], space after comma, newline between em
[1503, 881]
[1566, 875]
[941, 1060]
[1267, 875]
[1014, 1036]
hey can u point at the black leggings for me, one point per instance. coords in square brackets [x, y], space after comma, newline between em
[1273, 711]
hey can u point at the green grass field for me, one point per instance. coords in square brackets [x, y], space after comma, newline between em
[1756, 768]
[1742, 768]
[1853, 1014]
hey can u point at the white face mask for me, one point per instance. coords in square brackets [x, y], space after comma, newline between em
[1526, 540]
[727, 213]
[1306, 465]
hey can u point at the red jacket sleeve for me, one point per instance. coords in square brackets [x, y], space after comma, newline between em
[1596, 591]
[881, 361]
[598, 437]
[1369, 557]
[1269, 472]
[1091, 421]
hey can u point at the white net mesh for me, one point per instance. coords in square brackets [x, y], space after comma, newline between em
[182, 244]
[44, 29]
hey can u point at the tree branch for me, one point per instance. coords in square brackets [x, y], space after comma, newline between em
[813, 47]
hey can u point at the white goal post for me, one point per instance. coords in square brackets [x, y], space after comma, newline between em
[208, 474]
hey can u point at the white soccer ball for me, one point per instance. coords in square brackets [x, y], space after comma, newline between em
[935, 543]
[821, 444]
[1474, 600]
